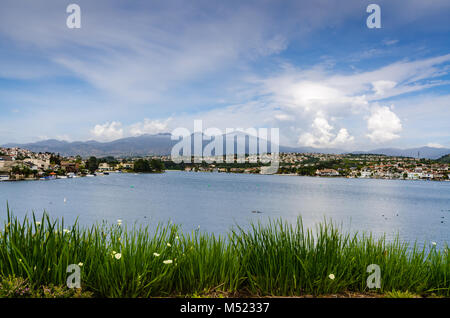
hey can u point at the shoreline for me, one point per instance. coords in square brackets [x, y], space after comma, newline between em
[275, 174]
[297, 175]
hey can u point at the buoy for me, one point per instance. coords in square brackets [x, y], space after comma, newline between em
[65, 200]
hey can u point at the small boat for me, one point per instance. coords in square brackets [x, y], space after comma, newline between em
[90, 175]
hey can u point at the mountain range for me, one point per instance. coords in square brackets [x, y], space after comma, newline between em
[161, 144]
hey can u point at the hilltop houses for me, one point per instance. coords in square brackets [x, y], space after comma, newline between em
[6, 164]
[21, 164]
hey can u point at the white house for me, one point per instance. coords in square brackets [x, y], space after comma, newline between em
[414, 175]
[105, 167]
[366, 173]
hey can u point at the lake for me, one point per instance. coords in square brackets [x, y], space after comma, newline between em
[415, 210]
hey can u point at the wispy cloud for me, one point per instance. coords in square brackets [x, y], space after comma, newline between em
[311, 68]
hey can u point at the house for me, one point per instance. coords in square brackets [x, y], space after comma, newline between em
[414, 175]
[70, 166]
[41, 164]
[128, 165]
[105, 167]
[366, 173]
[6, 164]
[327, 172]
[427, 175]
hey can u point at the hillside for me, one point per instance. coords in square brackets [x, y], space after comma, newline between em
[444, 159]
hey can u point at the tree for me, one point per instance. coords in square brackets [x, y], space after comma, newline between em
[55, 160]
[142, 165]
[92, 164]
[157, 165]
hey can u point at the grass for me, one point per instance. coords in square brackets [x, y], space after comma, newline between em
[277, 259]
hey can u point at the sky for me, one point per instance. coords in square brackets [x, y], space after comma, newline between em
[313, 69]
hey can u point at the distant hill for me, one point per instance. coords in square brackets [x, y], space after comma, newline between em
[445, 159]
[161, 144]
[422, 152]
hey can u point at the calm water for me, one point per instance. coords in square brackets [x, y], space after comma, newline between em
[217, 201]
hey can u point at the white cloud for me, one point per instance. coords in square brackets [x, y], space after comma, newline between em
[149, 127]
[322, 135]
[145, 58]
[380, 87]
[108, 131]
[64, 137]
[435, 145]
[383, 125]
[283, 117]
[390, 42]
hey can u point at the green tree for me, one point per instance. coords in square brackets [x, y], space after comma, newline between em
[142, 165]
[157, 165]
[92, 164]
[55, 160]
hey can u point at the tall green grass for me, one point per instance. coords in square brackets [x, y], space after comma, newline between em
[274, 259]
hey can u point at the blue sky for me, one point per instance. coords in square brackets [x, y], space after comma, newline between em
[311, 68]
